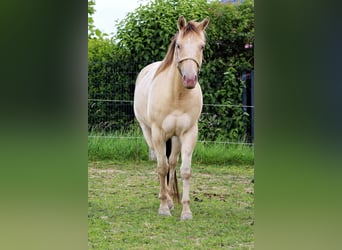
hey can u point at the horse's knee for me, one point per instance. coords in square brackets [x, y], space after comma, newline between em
[185, 172]
[162, 169]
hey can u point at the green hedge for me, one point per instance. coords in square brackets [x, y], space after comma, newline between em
[144, 36]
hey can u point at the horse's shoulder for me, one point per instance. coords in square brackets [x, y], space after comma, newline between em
[148, 71]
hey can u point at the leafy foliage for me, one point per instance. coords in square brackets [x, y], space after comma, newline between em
[144, 36]
[148, 30]
[230, 29]
[92, 31]
[91, 11]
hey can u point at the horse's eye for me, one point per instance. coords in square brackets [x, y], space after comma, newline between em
[177, 46]
[202, 47]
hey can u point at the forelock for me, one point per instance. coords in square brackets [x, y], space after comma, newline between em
[190, 28]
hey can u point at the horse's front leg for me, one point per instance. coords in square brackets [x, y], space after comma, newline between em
[188, 141]
[158, 139]
[173, 160]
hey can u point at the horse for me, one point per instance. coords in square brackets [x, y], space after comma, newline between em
[167, 104]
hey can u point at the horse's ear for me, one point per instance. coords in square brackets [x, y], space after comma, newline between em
[181, 22]
[205, 23]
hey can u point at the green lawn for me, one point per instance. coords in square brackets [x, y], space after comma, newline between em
[123, 208]
[124, 148]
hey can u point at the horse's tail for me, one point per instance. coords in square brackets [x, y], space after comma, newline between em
[176, 196]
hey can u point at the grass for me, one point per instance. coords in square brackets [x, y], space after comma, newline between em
[123, 197]
[123, 204]
[132, 147]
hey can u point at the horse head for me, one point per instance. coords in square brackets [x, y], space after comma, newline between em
[189, 45]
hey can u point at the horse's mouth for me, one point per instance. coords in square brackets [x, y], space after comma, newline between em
[189, 87]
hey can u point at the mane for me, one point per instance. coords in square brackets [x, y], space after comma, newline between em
[169, 56]
[168, 59]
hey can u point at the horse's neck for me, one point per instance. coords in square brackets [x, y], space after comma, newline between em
[176, 86]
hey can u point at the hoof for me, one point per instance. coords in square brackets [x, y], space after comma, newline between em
[186, 216]
[164, 212]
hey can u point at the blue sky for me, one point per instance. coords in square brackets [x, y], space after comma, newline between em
[107, 11]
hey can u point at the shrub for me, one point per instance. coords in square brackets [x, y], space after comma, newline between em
[110, 77]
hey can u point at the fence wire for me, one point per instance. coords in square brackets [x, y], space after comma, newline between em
[130, 103]
[140, 137]
[205, 104]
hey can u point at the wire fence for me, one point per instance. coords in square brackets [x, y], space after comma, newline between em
[204, 105]
[110, 108]
[119, 105]
[141, 137]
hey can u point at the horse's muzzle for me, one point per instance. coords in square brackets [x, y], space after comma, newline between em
[189, 82]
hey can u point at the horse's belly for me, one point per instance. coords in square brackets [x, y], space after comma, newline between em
[177, 124]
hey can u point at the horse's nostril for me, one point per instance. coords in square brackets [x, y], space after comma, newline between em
[193, 78]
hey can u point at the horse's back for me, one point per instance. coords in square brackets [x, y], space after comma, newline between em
[142, 89]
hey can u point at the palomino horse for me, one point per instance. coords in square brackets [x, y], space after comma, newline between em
[168, 104]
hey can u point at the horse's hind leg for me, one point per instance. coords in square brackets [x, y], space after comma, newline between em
[148, 137]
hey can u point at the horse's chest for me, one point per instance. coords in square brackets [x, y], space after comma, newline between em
[174, 124]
